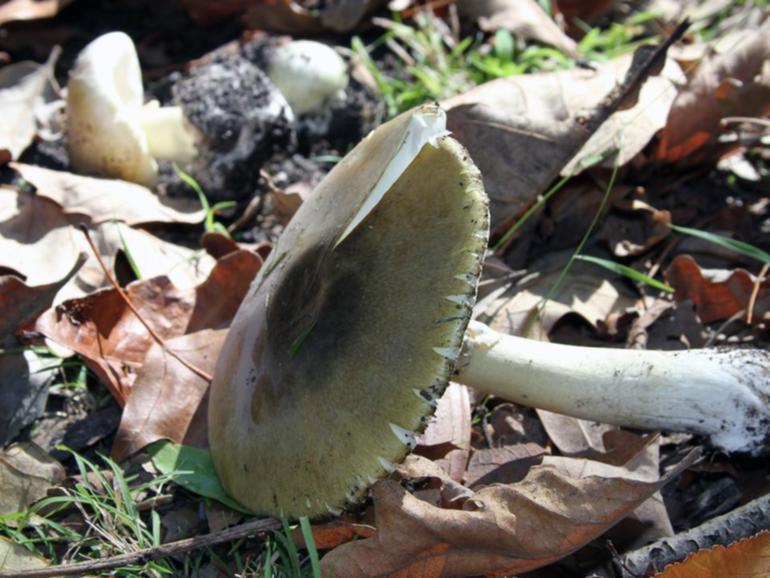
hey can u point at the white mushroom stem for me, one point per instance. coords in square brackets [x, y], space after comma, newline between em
[170, 137]
[722, 393]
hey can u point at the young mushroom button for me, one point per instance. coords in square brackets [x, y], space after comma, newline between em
[354, 325]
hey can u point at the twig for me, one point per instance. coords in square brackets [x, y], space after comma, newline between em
[148, 554]
[195, 369]
[755, 292]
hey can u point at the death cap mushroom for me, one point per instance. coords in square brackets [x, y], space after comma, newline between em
[350, 332]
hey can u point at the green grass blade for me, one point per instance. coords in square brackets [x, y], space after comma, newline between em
[731, 244]
[289, 552]
[531, 211]
[193, 184]
[627, 272]
[584, 240]
[307, 534]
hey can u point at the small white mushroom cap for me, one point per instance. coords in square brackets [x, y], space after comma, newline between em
[111, 132]
[308, 73]
[104, 104]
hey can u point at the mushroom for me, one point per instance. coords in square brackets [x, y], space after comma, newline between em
[111, 132]
[355, 324]
[308, 73]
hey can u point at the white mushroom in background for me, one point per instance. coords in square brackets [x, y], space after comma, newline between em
[111, 132]
[308, 73]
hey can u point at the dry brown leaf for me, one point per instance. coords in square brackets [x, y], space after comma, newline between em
[19, 302]
[586, 291]
[522, 131]
[572, 436]
[166, 395]
[332, 534]
[23, 88]
[503, 465]
[509, 424]
[108, 199]
[503, 529]
[286, 16]
[30, 9]
[522, 18]
[747, 558]
[447, 439]
[719, 298]
[585, 10]
[14, 556]
[39, 242]
[26, 474]
[25, 377]
[638, 229]
[114, 343]
[733, 82]
[451, 423]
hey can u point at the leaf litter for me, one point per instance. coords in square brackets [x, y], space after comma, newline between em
[494, 489]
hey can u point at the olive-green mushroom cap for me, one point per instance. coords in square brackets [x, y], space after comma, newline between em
[350, 332]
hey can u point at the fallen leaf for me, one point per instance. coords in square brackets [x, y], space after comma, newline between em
[166, 395]
[509, 424]
[114, 343]
[30, 9]
[523, 130]
[717, 295]
[628, 131]
[747, 558]
[19, 302]
[286, 16]
[26, 475]
[636, 230]
[573, 436]
[108, 199]
[40, 242]
[503, 529]
[25, 378]
[585, 10]
[14, 556]
[522, 18]
[447, 439]
[332, 534]
[23, 87]
[503, 465]
[450, 424]
[586, 291]
[733, 82]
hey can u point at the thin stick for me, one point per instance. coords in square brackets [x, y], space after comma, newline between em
[755, 292]
[195, 369]
[148, 554]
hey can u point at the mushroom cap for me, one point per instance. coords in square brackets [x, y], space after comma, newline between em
[104, 106]
[351, 330]
[308, 74]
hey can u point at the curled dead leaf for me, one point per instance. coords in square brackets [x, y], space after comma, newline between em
[286, 16]
[522, 131]
[26, 475]
[720, 297]
[748, 557]
[114, 343]
[108, 199]
[734, 82]
[522, 18]
[502, 529]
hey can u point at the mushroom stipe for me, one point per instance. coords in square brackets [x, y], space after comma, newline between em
[351, 331]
